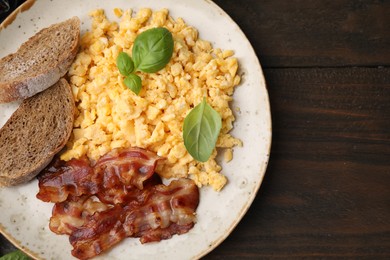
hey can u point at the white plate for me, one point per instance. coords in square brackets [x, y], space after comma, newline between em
[24, 219]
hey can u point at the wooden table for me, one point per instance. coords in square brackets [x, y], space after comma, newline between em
[326, 192]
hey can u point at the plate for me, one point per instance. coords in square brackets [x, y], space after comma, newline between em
[24, 219]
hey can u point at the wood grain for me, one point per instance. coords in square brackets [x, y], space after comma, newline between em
[322, 33]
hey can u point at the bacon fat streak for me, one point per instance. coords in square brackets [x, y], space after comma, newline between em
[119, 196]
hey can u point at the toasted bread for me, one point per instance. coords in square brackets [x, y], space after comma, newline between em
[37, 130]
[40, 62]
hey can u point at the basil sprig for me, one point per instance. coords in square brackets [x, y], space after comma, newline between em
[200, 131]
[152, 51]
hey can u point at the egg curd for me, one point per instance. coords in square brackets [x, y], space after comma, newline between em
[109, 115]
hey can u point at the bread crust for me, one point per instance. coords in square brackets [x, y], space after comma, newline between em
[19, 88]
[54, 135]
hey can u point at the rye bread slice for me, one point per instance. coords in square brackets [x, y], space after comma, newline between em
[40, 62]
[35, 132]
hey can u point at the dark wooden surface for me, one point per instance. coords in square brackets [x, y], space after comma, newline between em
[326, 193]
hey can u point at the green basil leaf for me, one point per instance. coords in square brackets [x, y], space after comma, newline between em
[152, 50]
[200, 131]
[124, 63]
[15, 255]
[134, 83]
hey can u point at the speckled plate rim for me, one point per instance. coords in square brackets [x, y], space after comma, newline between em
[29, 3]
[11, 17]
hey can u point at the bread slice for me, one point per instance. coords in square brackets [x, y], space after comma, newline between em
[35, 132]
[40, 62]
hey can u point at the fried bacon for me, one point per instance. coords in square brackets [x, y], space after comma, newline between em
[129, 167]
[117, 197]
[61, 179]
[167, 211]
[69, 215]
[101, 232]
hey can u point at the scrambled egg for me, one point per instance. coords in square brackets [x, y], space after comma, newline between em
[110, 115]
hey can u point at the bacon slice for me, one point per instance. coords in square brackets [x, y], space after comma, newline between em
[129, 167]
[123, 194]
[169, 210]
[102, 231]
[69, 215]
[60, 179]
[120, 196]
[175, 203]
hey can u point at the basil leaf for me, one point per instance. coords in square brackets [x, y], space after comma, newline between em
[152, 50]
[134, 83]
[200, 131]
[124, 63]
[16, 255]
